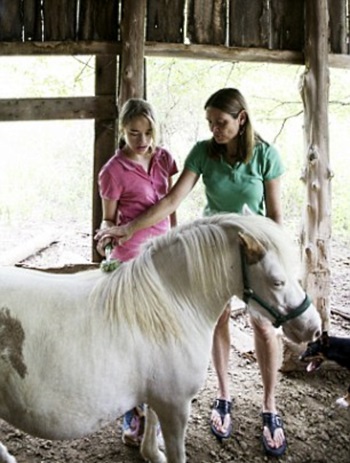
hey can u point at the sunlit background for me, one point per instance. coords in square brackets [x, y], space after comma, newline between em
[46, 167]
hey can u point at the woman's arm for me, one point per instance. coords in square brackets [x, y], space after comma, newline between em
[273, 200]
[173, 218]
[157, 212]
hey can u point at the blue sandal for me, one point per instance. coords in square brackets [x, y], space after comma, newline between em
[223, 408]
[273, 422]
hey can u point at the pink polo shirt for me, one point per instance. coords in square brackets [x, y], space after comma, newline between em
[127, 182]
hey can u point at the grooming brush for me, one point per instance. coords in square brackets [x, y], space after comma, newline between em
[109, 264]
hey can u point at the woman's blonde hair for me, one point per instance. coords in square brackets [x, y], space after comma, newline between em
[231, 101]
[136, 107]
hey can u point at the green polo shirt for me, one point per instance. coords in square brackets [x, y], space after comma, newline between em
[228, 188]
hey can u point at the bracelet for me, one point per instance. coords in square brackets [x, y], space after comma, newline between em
[107, 223]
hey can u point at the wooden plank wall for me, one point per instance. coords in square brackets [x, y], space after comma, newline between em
[339, 26]
[10, 20]
[32, 23]
[99, 20]
[249, 23]
[165, 21]
[287, 25]
[207, 22]
[269, 24]
[59, 20]
[263, 24]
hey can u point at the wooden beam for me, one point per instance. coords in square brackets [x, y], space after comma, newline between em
[40, 109]
[170, 50]
[105, 133]
[28, 248]
[223, 53]
[194, 51]
[69, 268]
[132, 57]
[339, 61]
[60, 48]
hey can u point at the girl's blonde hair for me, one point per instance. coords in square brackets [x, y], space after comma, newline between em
[136, 107]
[231, 101]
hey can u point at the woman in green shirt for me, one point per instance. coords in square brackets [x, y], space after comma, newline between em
[237, 167]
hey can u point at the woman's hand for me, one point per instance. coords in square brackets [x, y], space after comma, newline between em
[103, 242]
[104, 237]
[116, 234]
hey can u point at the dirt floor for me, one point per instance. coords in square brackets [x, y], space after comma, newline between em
[318, 431]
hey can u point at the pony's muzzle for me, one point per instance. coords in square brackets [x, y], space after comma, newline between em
[300, 332]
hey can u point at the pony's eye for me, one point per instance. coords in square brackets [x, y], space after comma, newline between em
[279, 283]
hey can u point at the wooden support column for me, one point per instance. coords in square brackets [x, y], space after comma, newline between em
[316, 224]
[132, 58]
[105, 84]
[317, 175]
[131, 85]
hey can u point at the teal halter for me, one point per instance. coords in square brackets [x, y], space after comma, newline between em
[249, 293]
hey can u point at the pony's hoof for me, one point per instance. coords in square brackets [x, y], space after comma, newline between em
[161, 458]
[5, 456]
[343, 403]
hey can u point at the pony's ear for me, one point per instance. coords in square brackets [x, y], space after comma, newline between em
[252, 248]
[246, 210]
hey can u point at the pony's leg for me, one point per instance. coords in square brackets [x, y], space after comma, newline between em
[173, 420]
[149, 446]
[5, 456]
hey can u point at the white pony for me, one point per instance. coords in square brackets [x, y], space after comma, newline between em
[78, 351]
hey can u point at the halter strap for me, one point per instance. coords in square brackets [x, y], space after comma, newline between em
[249, 293]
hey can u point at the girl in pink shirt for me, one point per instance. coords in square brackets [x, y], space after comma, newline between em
[135, 178]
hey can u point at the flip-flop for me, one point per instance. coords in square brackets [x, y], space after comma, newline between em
[273, 422]
[223, 408]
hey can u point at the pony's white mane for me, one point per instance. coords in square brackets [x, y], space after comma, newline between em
[135, 293]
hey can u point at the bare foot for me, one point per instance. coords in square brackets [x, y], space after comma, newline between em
[220, 420]
[274, 440]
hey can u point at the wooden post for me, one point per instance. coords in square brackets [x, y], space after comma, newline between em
[317, 175]
[131, 85]
[132, 58]
[105, 84]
